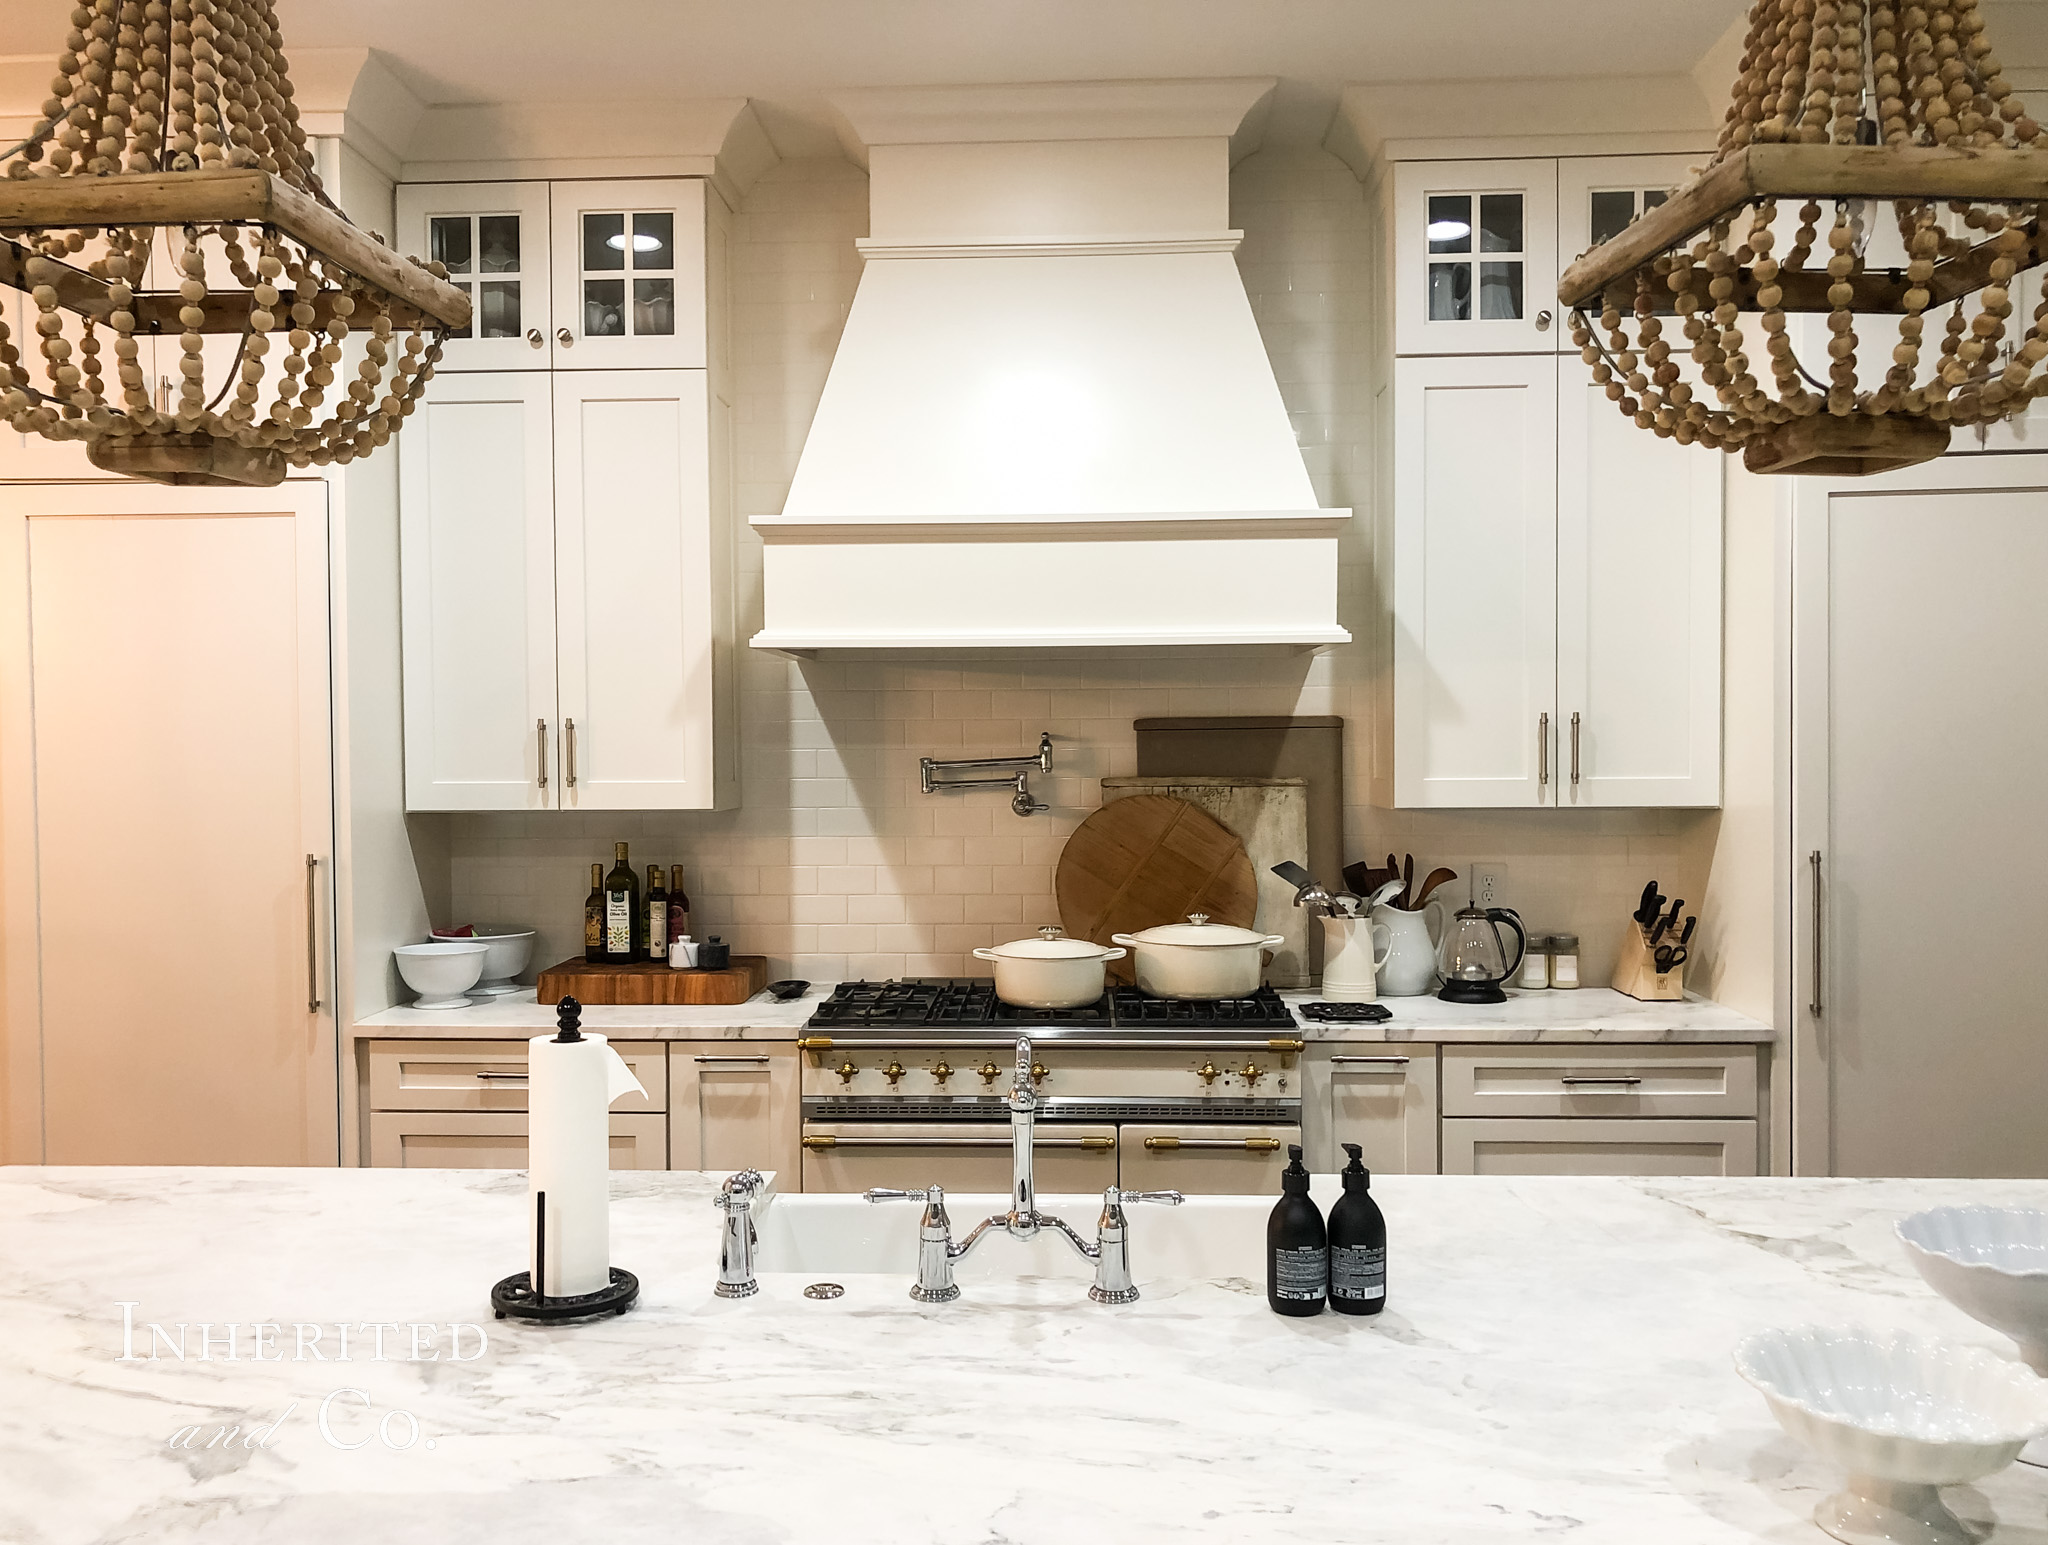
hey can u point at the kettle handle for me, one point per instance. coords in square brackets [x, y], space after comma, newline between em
[1508, 915]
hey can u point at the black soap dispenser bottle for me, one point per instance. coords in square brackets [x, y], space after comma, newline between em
[1358, 1243]
[1297, 1246]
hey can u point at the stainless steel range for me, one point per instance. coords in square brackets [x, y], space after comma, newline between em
[905, 1084]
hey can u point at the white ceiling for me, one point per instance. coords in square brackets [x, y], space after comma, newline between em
[788, 55]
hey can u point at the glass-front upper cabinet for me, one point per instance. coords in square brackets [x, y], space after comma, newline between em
[628, 274]
[1598, 197]
[493, 237]
[1475, 260]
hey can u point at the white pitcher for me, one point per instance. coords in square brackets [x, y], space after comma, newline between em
[1409, 967]
[1354, 948]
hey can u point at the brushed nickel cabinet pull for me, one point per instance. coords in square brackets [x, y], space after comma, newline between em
[569, 738]
[488, 1076]
[542, 726]
[1542, 750]
[1575, 748]
[1377, 1061]
[701, 1061]
[1814, 1007]
[312, 935]
[1617, 1082]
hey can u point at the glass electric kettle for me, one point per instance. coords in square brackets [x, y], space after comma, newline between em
[1473, 957]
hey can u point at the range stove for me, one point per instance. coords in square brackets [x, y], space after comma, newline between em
[905, 1082]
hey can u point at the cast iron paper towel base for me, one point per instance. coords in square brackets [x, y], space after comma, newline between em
[515, 1297]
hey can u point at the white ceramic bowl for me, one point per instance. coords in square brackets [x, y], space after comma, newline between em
[507, 950]
[1902, 1414]
[1991, 1263]
[442, 972]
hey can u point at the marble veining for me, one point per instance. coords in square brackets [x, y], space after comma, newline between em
[1555, 1362]
[1588, 1014]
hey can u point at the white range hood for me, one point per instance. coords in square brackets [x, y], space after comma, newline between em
[1051, 420]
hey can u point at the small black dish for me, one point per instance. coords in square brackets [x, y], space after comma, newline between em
[783, 992]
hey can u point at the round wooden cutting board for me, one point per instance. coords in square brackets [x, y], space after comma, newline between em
[1146, 860]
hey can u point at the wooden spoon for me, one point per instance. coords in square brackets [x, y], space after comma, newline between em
[1436, 877]
[1408, 885]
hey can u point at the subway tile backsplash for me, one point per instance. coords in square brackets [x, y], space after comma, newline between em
[835, 865]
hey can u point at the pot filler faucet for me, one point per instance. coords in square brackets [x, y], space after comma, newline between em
[936, 1251]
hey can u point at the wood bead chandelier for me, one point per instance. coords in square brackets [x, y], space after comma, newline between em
[1842, 108]
[171, 149]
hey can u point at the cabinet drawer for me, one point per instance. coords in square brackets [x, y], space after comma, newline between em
[495, 1140]
[1381, 1097]
[487, 1075]
[1596, 1147]
[1596, 1081]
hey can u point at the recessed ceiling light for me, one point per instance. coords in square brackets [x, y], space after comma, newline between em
[1439, 230]
[640, 243]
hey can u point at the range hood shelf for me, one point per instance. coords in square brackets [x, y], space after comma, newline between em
[1043, 429]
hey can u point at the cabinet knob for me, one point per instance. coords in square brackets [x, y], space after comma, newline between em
[565, 338]
[533, 337]
[1542, 321]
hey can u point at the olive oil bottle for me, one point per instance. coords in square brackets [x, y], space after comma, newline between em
[593, 916]
[625, 922]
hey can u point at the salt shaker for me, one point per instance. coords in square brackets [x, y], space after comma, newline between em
[1564, 960]
[1535, 970]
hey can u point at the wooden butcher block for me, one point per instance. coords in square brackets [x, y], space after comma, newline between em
[651, 982]
[1147, 860]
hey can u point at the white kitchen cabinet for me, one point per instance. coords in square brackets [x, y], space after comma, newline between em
[1475, 257]
[1638, 607]
[629, 274]
[736, 1106]
[1474, 581]
[494, 239]
[1556, 619]
[1619, 1082]
[1567, 1146]
[487, 1075]
[1383, 1098]
[477, 556]
[1597, 197]
[566, 584]
[497, 1140]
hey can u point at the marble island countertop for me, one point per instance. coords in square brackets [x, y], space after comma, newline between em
[1588, 1014]
[1554, 1361]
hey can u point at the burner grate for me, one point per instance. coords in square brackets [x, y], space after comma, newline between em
[1262, 1011]
[971, 1003]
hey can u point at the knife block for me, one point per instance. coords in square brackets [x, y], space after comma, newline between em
[1636, 973]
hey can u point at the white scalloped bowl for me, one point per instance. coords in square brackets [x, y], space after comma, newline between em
[1991, 1263]
[1902, 1414]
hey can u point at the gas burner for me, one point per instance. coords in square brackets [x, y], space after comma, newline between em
[971, 1003]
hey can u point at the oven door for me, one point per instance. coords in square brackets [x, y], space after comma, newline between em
[1205, 1160]
[962, 1156]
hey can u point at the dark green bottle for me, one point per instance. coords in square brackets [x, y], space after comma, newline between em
[1358, 1243]
[1297, 1246]
[625, 923]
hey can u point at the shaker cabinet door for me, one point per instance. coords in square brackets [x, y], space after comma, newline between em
[1381, 1097]
[628, 274]
[477, 579]
[1475, 257]
[1638, 607]
[1475, 581]
[735, 1106]
[636, 590]
[493, 239]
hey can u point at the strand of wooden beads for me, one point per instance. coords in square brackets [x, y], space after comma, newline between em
[183, 144]
[1841, 397]
[121, 295]
[1818, 103]
[192, 341]
[206, 118]
[1887, 84]
[146, 127]
[1847, 108]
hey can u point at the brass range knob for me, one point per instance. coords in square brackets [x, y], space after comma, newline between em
[846, 1070]
[989, 1072]
[893, 1072]
[1252, 1073]
[942, 1071]
[1038, 1072]
[1207, 1072]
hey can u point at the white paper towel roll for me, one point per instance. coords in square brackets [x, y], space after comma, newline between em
[570, 1087]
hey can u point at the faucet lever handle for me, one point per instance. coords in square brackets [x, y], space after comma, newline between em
[886, 1194]
[1169, 1198]
[738, 1190]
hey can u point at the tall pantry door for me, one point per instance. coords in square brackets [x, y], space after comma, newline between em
[166, 809]
[635, 589]
[1920, 728]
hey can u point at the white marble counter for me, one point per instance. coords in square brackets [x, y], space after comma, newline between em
[1554, 1362]
[1585, 1015]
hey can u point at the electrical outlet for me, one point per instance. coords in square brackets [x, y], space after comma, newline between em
[1489, 884]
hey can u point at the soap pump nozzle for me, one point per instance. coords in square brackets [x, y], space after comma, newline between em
[1356, 1176]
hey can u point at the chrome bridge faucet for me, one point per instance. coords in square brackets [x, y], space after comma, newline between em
[936, 1251]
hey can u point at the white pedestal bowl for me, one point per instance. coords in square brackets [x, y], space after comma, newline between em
[506, 954]
[1902, 1415]
[441, 973]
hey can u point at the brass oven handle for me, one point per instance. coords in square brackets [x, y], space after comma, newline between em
[1234, 1144]
[569, 735]
[1377, 1061]
[487, 1076]
[827, 1140]
[312, 935]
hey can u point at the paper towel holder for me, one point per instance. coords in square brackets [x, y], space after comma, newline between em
[518, 1296]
